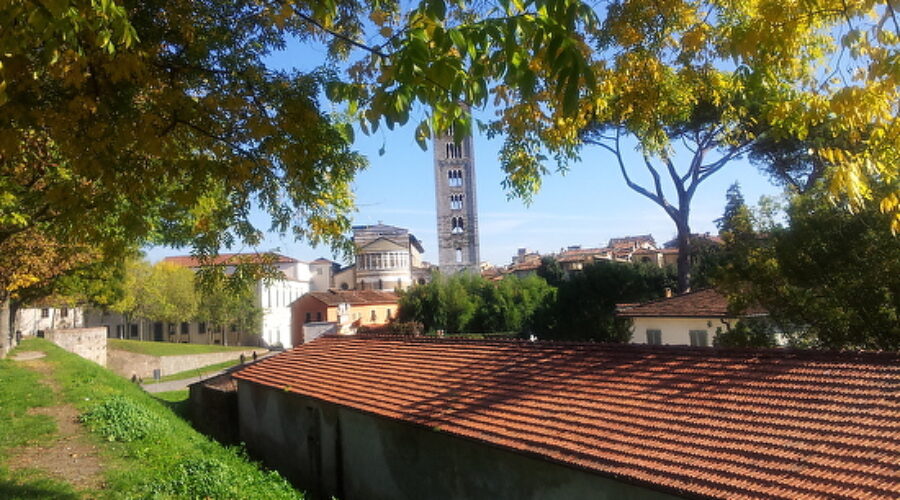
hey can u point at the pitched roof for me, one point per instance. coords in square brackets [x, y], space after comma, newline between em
[232, 259]
[355, 297]
[706, 303]
[692, 421]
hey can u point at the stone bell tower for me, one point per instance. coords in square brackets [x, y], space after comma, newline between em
[457, 212]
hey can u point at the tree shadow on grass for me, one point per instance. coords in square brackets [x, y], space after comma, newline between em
[180, 408]
[40, 489]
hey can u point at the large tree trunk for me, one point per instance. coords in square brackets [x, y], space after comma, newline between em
[684, 253]
[6, 339]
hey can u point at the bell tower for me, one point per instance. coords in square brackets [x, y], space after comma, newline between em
[457, 213]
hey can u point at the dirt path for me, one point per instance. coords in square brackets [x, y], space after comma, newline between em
[70, 457]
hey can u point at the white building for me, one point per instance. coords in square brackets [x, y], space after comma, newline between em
[272, 296]
[688, 319]
[44, 316]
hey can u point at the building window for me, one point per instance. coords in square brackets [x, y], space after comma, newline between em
[134, 330]
[459, 255]
[170, 328]
[374, 316]
[454, 178]
[654, 337]
[345, 286]
[45, 313]
[456, 202]
[308, 317]
[318, 315]
[64, 312]
[457, 225]
[380, 285]
[185, 328]
[388, 315]
[699, 338]
[453, 150]
[201, 327]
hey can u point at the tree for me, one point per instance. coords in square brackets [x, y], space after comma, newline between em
[166, 111]
[123, 123]
[718, 77]
[585, 304]
[467, 303]
[228, 305]
[830, 275]
[551, 271]
[162, 292]
[29, 262]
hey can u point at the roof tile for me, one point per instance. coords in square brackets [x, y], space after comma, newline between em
[719, 423]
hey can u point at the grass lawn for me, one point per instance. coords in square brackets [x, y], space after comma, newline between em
[146, 449]
[171, 348]
[196, 372]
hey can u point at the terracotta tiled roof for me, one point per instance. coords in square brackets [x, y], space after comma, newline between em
[230, 259]
[697, 422]
[355, 297]
[526, 266]
[706, 303]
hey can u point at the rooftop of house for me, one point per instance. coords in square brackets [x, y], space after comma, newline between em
[355, 297]
[365, 234]
[697, 238]
[706, 303]
[631, 241]
[232, 259]
[698, 422]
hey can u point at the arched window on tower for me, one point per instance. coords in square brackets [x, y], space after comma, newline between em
[453, 150]
[456, 225]
[456, 202]
[454, 178]
[459, 255]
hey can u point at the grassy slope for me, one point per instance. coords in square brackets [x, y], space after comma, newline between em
[170, 461]
[170, 348]
[20, 390]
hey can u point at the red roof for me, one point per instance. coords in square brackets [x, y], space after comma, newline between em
[706, 303]
[232, 259]
[692, 421]
[355, 297]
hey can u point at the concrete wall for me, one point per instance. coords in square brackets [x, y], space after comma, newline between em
[128, 364]
[213, 408]
[676, 331]
[312, 331]
[89, 343]
[329, 450]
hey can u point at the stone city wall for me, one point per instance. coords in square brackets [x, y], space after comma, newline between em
[128, 364]
[89, 343]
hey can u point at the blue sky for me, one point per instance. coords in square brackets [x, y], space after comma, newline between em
[586, 206]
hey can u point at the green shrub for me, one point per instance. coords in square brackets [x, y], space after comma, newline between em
[119, 419]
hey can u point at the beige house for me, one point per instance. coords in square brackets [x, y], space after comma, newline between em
[689, 319]
[347, 309]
